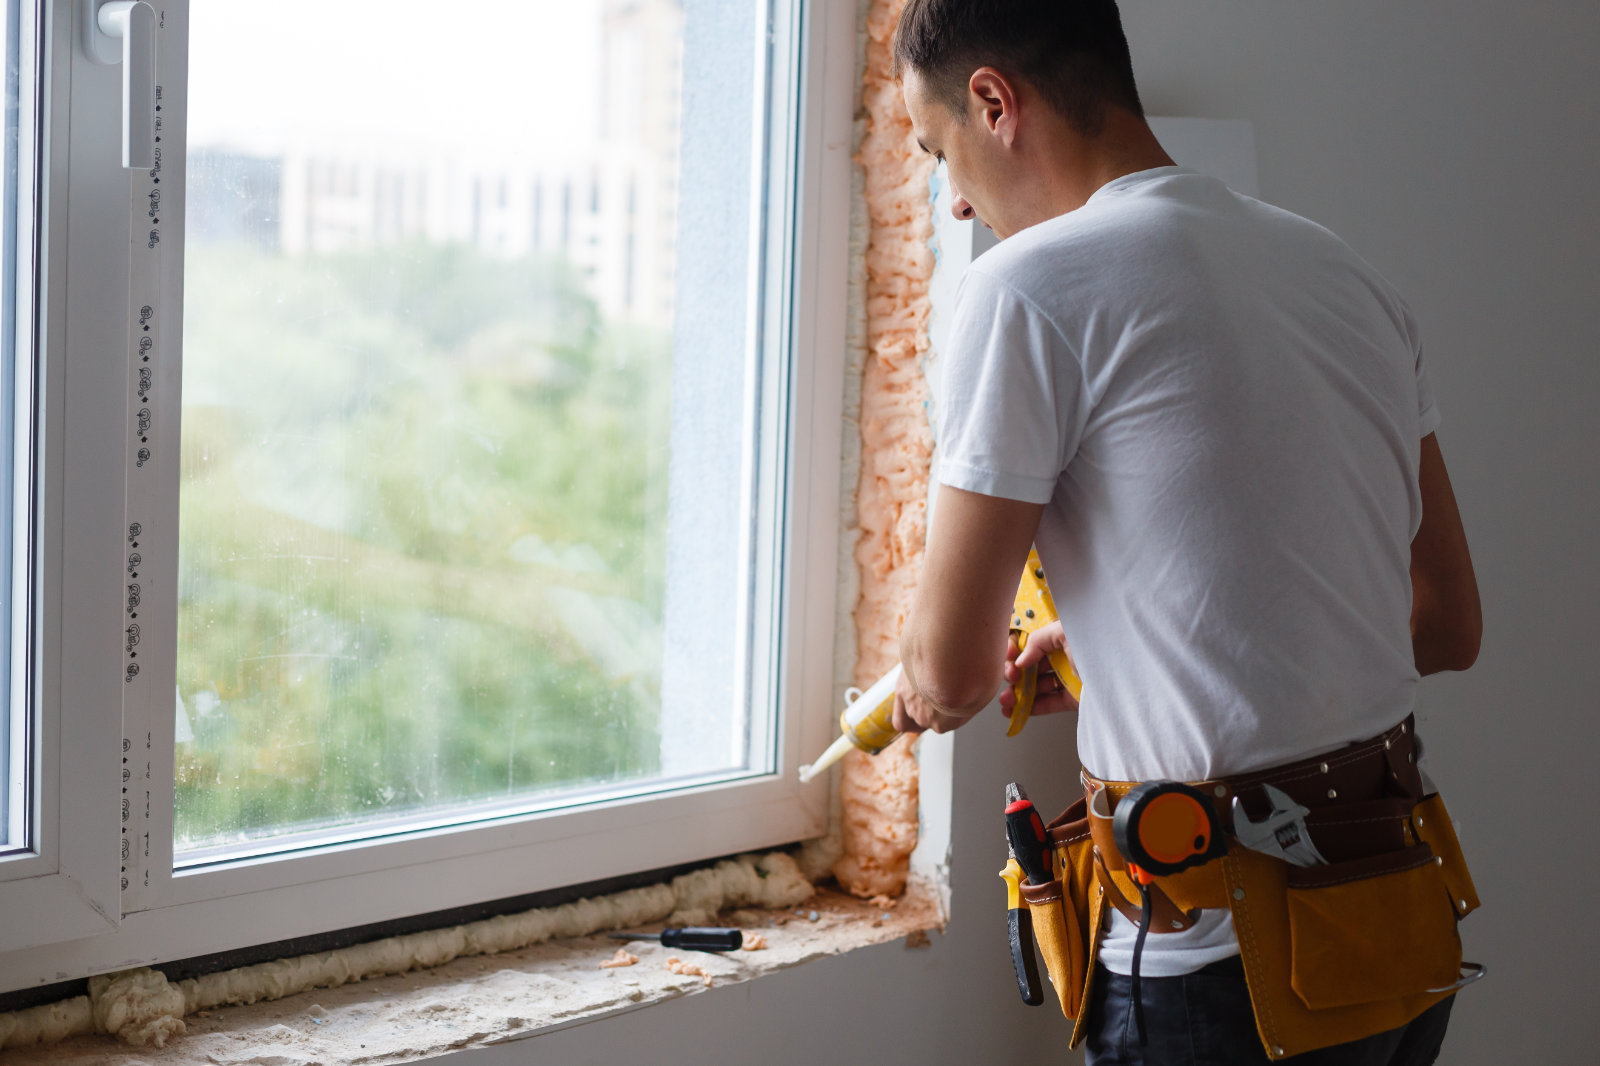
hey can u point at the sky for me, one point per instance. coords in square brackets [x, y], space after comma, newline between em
[502, 78]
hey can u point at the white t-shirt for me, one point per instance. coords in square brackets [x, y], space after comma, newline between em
[1221, 407]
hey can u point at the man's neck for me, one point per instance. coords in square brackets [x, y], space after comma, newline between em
[1086, 164]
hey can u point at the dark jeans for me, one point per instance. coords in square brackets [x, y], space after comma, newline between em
[1204, 1019]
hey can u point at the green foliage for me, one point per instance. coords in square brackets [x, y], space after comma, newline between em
[412, 477]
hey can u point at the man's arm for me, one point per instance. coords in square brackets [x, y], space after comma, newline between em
[953, 646]
[1446, 617]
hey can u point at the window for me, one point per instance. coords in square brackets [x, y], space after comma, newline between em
[446, 566]
[13, 431]
[424, 473]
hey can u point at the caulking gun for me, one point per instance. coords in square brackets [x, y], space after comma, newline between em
[867, 717]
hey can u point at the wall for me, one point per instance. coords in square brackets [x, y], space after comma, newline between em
[1455, 144]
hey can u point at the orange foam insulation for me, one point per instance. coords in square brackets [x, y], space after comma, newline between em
[878, 794]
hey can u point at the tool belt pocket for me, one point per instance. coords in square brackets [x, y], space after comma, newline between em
[1059, 942]
[1061, 909]
[1374, 928]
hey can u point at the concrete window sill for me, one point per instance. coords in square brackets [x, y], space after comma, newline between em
[495, 999]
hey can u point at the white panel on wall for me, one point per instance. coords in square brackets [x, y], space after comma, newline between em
[1222, 147]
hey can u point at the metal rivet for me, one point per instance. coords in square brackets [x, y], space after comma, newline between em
[1029, 612]
[1038, 572]
[1176, 924]
[1238, 893]
[1402, 727]
[1387, 744]
[1411, 756]
[1015, 622]
[1463, 904]
[1324, 767]
[1333, 793]
[1438, 860]
[1276, 1050]
[1221, 790]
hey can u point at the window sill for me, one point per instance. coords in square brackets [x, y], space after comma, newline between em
[493, 999]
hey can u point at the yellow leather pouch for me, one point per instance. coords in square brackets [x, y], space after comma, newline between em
[1062, 918]
[1060, 943]
[1378, 928]
[1432, 825]
[1259, 899]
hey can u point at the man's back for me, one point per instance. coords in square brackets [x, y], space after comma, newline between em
[1221, 406]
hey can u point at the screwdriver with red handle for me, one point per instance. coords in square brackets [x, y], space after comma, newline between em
[1025, 830]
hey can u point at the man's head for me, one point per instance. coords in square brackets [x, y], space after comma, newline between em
[1002, 88]
[1072, 52]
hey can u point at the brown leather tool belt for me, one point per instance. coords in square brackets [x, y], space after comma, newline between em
[1359, 942]
[1359, 799]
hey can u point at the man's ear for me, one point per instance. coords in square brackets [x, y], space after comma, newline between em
[992, 100]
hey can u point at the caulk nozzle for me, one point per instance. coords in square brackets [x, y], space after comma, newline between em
[834, 753]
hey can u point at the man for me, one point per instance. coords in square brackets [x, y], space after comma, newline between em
[1214, 420]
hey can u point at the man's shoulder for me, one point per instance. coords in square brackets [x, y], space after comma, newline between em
[1119, 245]
[1117, 224]
[1099, 256]
[1042, 259]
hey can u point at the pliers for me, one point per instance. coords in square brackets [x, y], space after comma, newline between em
[1019, 925]
[1034, 609]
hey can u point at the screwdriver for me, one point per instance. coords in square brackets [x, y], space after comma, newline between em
[714, 938]
[1025, 832]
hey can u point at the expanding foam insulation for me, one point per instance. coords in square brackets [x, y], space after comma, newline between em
[878, 794]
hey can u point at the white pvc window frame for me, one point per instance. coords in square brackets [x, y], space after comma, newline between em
[127, 906]
[16, 394]
[65, 883]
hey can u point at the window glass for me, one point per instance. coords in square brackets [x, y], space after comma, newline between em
[13, 709]
[435, 416]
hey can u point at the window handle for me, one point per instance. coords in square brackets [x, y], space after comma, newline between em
[134, 23]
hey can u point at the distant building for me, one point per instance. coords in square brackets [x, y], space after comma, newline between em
[612, 211]
[234, 198]
[641, 84]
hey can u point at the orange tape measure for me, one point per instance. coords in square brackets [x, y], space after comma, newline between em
[1165, 827]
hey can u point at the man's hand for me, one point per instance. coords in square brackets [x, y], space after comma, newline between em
[1052, 696]
[915, 713]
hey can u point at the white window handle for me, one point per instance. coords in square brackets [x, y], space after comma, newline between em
[134, 22]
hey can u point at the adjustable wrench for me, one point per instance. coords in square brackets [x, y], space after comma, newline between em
[1281, 834]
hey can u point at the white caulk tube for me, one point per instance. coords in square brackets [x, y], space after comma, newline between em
[867, 723]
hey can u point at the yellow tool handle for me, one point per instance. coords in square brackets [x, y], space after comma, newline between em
[1061, 663]
[1027, 687]
[1026, 690]
[1012, 876]
[1019, 923]
[1034, 609]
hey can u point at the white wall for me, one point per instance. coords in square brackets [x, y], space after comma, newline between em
[1456, 144]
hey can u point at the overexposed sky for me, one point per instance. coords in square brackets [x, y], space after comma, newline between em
[507, 79]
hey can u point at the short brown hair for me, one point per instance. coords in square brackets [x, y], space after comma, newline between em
[1072, 51]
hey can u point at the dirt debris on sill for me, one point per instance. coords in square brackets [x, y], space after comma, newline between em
[489, 999]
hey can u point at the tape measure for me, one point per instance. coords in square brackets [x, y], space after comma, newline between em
[1166, 827]
[1162, 828]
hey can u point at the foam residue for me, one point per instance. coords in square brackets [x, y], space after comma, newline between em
[142, 1007]
[138, 1007]
[46, 1024]
[878, 794]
